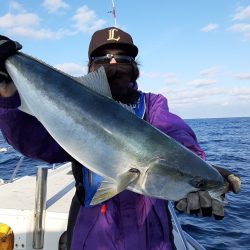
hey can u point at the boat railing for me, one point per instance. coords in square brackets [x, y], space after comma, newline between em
[40, 207]
[13, 176]
[41, 204]
[19, 163]
[185, 238]
[178, 226]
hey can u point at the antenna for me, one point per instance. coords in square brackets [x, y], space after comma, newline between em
[113, 12]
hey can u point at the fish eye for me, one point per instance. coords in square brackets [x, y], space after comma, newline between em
[201, 184]
[197, 182]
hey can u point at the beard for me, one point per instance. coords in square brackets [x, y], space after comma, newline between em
[119, 77]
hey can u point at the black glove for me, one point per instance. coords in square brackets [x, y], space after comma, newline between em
[7, 48]
[201, 203]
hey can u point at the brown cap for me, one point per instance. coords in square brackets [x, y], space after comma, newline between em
[112, 37]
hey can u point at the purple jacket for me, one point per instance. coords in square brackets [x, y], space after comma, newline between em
[127, 221]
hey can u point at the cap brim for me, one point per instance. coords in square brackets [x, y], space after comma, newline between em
[130, 49]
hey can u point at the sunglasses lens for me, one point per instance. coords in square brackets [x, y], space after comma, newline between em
[106, 59]
[101, 60]
[123, 60]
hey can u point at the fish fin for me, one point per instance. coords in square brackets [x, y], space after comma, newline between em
[96, 81]
[110, 188]
[24, 107]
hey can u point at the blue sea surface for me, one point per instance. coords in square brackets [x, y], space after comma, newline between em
[226, 142]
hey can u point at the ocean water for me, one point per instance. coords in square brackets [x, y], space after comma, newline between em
[226, 142]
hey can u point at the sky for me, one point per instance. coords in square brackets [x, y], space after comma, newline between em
[195, 53]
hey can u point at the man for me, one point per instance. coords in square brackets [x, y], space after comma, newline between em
[128, 220]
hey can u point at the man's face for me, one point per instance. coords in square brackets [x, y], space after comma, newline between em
[118, 67]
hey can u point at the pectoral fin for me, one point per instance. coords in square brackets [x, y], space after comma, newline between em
[109, 189]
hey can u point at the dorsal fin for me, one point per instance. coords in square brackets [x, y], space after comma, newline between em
[96, 81]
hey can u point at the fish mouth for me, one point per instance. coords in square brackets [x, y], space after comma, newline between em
[201, 183]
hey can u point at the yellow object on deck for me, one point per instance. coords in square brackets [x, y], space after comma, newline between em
[6, 237]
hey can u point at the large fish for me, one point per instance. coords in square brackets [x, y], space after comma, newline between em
[107, 138]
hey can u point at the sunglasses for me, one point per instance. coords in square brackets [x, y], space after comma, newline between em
[107, 58]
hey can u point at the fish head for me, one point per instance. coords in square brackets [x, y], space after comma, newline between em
[168, 182]
[202, 183]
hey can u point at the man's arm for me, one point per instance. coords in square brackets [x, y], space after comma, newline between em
[197, 202]
[24, 132]
[158, 115]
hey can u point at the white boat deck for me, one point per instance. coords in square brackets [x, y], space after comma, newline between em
[21, 193]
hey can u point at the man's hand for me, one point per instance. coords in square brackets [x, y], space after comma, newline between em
[201, 203]
[7, 48]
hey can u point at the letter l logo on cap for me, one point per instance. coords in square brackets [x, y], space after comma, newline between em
[112, 35]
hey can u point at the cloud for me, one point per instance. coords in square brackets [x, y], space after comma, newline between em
[19, 22]
[191, 95]
[149, 74]
[168, 77]
[86, 20]
[38, 34]
[24, 19]
[15, 6]
[171, 78]
[202, 82]
[197, 96]
[210, 27]
[27, 24]
[72, 69]
[241, 94]
[242, 13]
[210, 72]
[54, 5]
[243, 76]
[243, 28]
